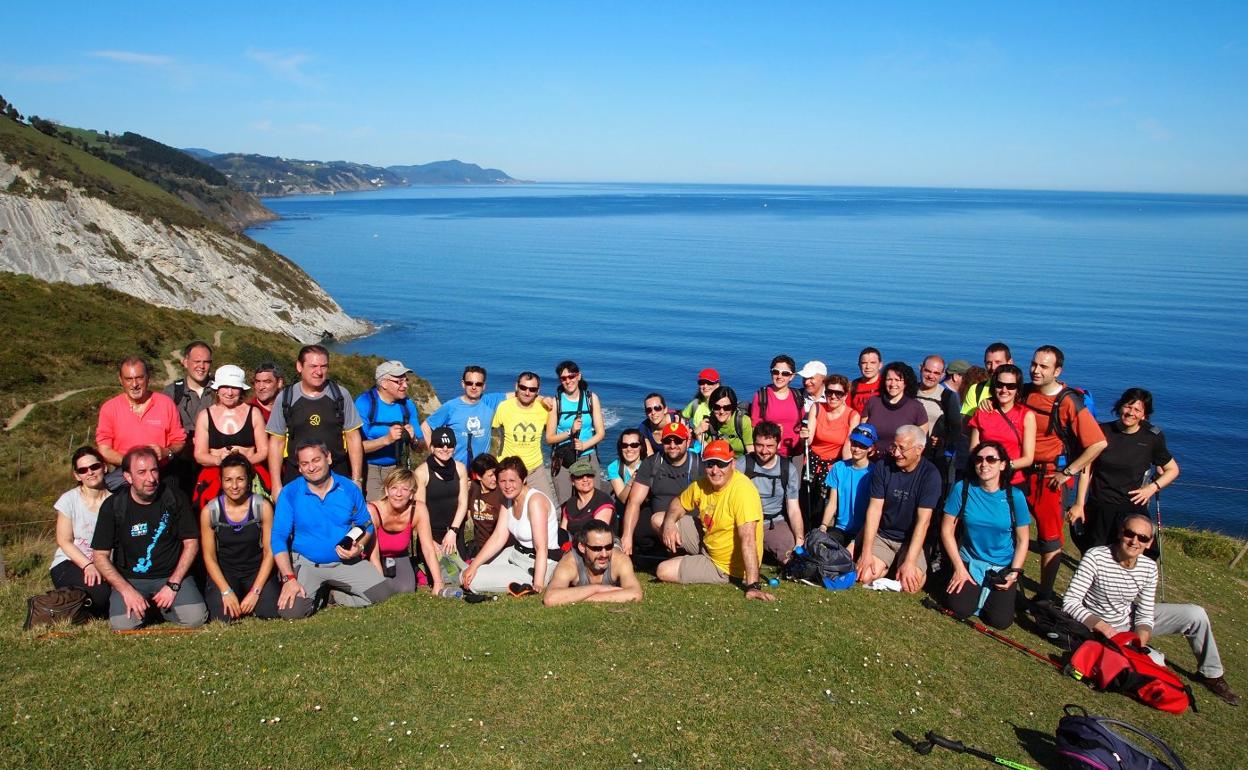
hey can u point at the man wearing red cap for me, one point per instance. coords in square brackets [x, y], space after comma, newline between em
[660, 478]
[730, 513]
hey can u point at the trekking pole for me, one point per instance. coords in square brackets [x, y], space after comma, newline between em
[1161, 582]
[961, 748]
[980, 627]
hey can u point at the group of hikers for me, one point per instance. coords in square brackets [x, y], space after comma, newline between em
[298, 495]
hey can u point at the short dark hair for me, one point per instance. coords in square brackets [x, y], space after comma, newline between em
[483, 464]
[1007, 472]
[1059, 359]
[133, 361]
[139, 451]
[869, 349]
[308, 349]
[81, 452]
[659, 396]
[567, 365]
[268, 366]
[473, 369]
[767, 429]
[528, 376]
[513, 463]
[236, 460]
[1131, 395]
[309, 443]
[836, 379]
[186, 351]
[784, 359]
[906, 373]
[593, 525]
[998, 347]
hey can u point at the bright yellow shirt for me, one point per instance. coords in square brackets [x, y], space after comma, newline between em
[524, 428]
[721, 513]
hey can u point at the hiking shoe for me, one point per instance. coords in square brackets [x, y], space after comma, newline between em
[1218, 686]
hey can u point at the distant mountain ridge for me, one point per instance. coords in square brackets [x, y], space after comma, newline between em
[272, 176]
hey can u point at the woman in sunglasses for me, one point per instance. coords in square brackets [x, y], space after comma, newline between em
[628, 451]
[986, 559]
[1119, 482]
[1113, 591]
[726, 423]
[1005, 420]
[699, 408]
[76, 514]
[834, 420]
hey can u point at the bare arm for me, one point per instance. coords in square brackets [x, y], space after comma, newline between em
[203, 455]
[539, 512]
[65, 540]
[671, 532]
[428, 549]
[208, 536]
[854, 419]
[355, 453]
[870, 527]
[794, 512]
[632, 512]
[600, 431]
[277, 451]
[1029, 442]
[259, 437]
[109, 455]
[911, 576]
[829, 510]
[496, 542]
[749, 552]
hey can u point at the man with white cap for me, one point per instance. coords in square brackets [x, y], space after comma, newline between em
[389, 425]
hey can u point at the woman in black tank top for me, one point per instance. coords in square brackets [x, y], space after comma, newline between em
[442, 485]
[227, 427]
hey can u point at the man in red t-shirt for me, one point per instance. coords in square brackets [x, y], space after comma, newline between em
[1051, 473]
[266, 383]
[137, 417]
[863, 388]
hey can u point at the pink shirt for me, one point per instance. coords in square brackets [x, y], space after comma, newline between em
[123, 430]
[784, 413]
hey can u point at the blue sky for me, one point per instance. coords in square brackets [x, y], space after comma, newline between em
[1093, 96]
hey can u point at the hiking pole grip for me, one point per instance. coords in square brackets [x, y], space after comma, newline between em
[945, 743]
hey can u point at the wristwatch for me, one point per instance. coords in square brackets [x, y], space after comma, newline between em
[286, 578]
[755, 586]
[175, 587]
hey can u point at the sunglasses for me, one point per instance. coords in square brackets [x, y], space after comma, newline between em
[781, 373]
[657, 408]
[569, 377]
[834, 393]
[474, 383]
[1006, 386]
[723, 407]
[527, 388]
[671, 441]
[708, 382]
[631, 445]
[983, 459]
[859, 445]
[717, 463]
[599, 548]
[1128, 534]
[89, 468]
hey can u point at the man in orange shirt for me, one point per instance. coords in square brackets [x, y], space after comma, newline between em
[1068, 439]
[137, 417]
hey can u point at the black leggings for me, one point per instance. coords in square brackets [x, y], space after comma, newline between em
[69, 575]
[266, 607]
[998, 610]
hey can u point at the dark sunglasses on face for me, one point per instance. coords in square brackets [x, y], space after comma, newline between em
[631, 445]
[1006, 386]
[671, 441]
[859, 445]
[708, 382]
[723, 407]
[655, 408]
[569, 377]
[599, 548]
[1128, 534]
[781, 373]
[474, 383]
[982, 459]
[834, 393]
[89, 468]
[717, 463]
[526, 388]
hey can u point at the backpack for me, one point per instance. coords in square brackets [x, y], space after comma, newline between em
[821, 562]
[372, 408]
[1089, 742]
[941, 427]
[1120, 665]
[335, 394]
[216, 506]
[799, 400]
[1057, 626]
[564, 453]
[1065, 433]
[57, 605]
[751, 472]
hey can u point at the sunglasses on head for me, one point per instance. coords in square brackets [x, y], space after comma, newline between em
[1130, 534]
[781, 373]
[89, 468]
[717, 463]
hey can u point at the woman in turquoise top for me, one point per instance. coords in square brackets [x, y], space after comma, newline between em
[726, 423]
[621, 471]
[573, 428]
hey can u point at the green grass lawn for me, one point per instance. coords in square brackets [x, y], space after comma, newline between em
[693, 677]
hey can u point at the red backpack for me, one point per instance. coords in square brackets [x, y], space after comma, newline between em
[1121, 665]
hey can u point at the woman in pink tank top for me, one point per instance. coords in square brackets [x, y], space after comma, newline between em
[396, 515]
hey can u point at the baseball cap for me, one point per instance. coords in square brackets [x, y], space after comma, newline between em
[708, 374]
[719, 450]
[813, 369]
[229, 376]
[677, 429]
[390, 369]
[443, 436]
[582, 467]
[865, 433]
[959, 366]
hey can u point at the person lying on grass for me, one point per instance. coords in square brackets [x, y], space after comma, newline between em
[594, 571]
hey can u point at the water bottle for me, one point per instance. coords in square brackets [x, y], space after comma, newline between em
[772, 582]
[451, 592]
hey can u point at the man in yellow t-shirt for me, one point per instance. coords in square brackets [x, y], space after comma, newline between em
[519, 424]
[730, 513]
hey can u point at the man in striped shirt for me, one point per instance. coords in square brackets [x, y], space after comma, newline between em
[1113, 590]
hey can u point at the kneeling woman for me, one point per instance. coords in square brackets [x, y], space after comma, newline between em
[234, 534]
[395, 516]
[532, 521]
[987, 559]
[77, 511]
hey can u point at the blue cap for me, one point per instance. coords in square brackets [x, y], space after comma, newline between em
[864, 433]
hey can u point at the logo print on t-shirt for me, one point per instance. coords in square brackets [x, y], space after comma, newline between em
[473, 425]
[314, 420]
[138, 530]
[519, 431]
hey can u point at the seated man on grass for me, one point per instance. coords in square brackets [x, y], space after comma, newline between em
[905, 488]
[730, 513]
[1113, 590]
[594, 571]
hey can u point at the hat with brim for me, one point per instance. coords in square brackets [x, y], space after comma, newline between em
[390, 369]
[230, 376]
[582, 467]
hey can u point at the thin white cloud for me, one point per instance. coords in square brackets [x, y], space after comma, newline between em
[133, 57]
[288, 67]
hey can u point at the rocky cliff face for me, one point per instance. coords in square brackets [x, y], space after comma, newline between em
[84, 240]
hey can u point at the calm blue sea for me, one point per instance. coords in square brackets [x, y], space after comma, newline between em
[644, 285]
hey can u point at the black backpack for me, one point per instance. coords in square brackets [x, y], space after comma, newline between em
[1057, 626]
[335, 394]
[820, 562]
[751, 472]
[1089, 742]
[799, 399]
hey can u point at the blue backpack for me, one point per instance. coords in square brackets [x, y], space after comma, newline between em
[1088, 742]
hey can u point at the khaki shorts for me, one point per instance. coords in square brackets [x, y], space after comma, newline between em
[893, 553]
[700, 569]
[778, 540]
